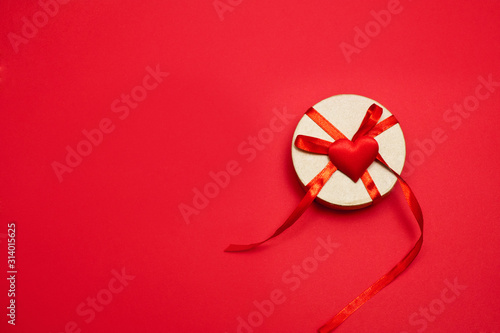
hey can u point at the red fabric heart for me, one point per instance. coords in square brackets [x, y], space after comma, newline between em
[353, 158]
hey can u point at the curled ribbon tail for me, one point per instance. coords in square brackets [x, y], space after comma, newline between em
[371, 291]
[314, 187]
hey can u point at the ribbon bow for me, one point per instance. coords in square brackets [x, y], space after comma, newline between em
[352, 157]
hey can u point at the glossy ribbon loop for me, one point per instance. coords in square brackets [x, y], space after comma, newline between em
[370, 127]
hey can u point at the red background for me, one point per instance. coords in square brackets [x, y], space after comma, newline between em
[120, 207]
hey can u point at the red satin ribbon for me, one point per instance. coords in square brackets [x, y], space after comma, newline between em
[369, 127]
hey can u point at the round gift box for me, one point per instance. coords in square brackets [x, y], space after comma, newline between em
[346, 112]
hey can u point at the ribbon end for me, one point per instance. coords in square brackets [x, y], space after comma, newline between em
[239, 248]
[230, 248]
